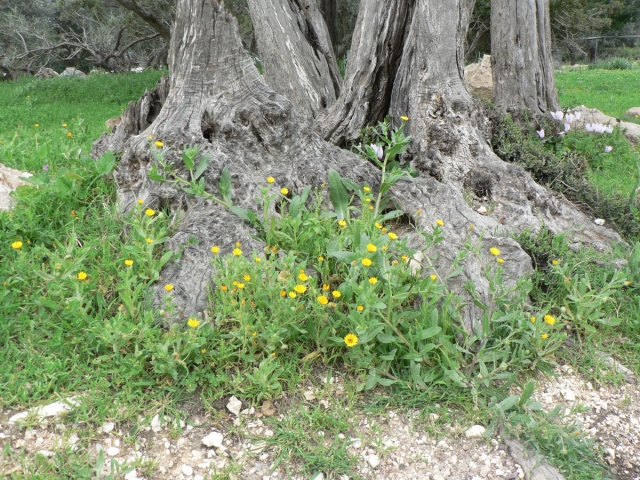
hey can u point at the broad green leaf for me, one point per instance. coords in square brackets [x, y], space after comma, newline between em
[225, 185]
[430, 332]
[202, 166]
[508, 403]
[338, 195]
[385, 382]
[526, 393]
[106, 162]
[385, 338]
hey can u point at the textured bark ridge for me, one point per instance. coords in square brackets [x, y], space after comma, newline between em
[219, 102]
[296, 53]
[521, 56]
[374, 58]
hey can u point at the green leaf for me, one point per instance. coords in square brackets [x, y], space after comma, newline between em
[385, 382]
[188, 156]
[202, 166]
[106, 162]
[430, 332]
[338, 194]
[526, 393]
[508, 403]
[154, 175]
[225, 185]
[346, 257]
[385, 338]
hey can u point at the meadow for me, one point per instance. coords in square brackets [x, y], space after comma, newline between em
[75, 318]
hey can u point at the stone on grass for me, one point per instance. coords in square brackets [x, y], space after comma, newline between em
[52, 410]
[475, 431]
[234, 406]
[156, 425]
[9, 181]
[599, 221]
[72, 72]
[568, 395]
[633, 112]
[187, 470]
[108, 427]
[132, 475]
[45, 72]
[214, 439]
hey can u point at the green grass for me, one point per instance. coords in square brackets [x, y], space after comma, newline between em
[97, 337]
[611, 91]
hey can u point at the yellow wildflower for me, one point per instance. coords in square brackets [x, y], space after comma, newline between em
[82, 275]
[247, 277]
[405, 258]
[544, 336]
[360, 308]
[149, 212]
[533, 319]
[322, 300]
[378, 226]
[366, 262]
[69, 134]
[549, 319]
[434, 277]
[336, 294]
[283, 293]
[240, 286]
[303, 277]
[366, 189]
[128, 262]
[500, 260]
[292, 294]
[392, 236]
[351, 340]
[149, 240]
[140, 201]
[270, 179]
[342, 223]
[193, 322]
[224, 288]
[300, 288]
[16, 245]
[258, 259]
[325, 287]
[404, 118]
[215, 249]
[159, 144]
[284, 191]
[371, 247]
[494, 251]
[440, 223]
[370, 207]
[237, 252]
[555, 262]
[373, 280]
[168, 287]
[321, 258]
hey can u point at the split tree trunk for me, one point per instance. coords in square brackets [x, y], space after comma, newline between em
[218, 102]
[296, 53]
[521, 58]
[376, 51]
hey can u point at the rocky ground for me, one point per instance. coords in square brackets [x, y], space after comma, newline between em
[389, 446]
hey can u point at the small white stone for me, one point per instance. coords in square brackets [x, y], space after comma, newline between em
[416, 263]
[437, 477]
[319, 476]
[568, 395]
[108, 427]
[482, 210]
[73, 439]
[198, 477]
[234, 406]
[18, 416]
[187, 470]
[373, 460]
[46, 453]
[214, 439]
[156, 426]
[132, 475]
[599, 221]
[309, 396]
[113, 451]
[475, 431]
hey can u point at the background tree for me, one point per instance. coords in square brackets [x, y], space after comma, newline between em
[522, 66]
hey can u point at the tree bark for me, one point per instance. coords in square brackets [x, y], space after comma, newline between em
[328, 9]
[521, 58]
[296, 53]
[218, 102]
[376, 52]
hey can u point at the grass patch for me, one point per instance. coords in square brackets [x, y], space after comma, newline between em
[611, 91]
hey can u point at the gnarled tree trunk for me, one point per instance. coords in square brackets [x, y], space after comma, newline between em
[296, 53]
[376, 51]
[521, 58]
[218, 101]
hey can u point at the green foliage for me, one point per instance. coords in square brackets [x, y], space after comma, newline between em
[577, 166]
[616, 63]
